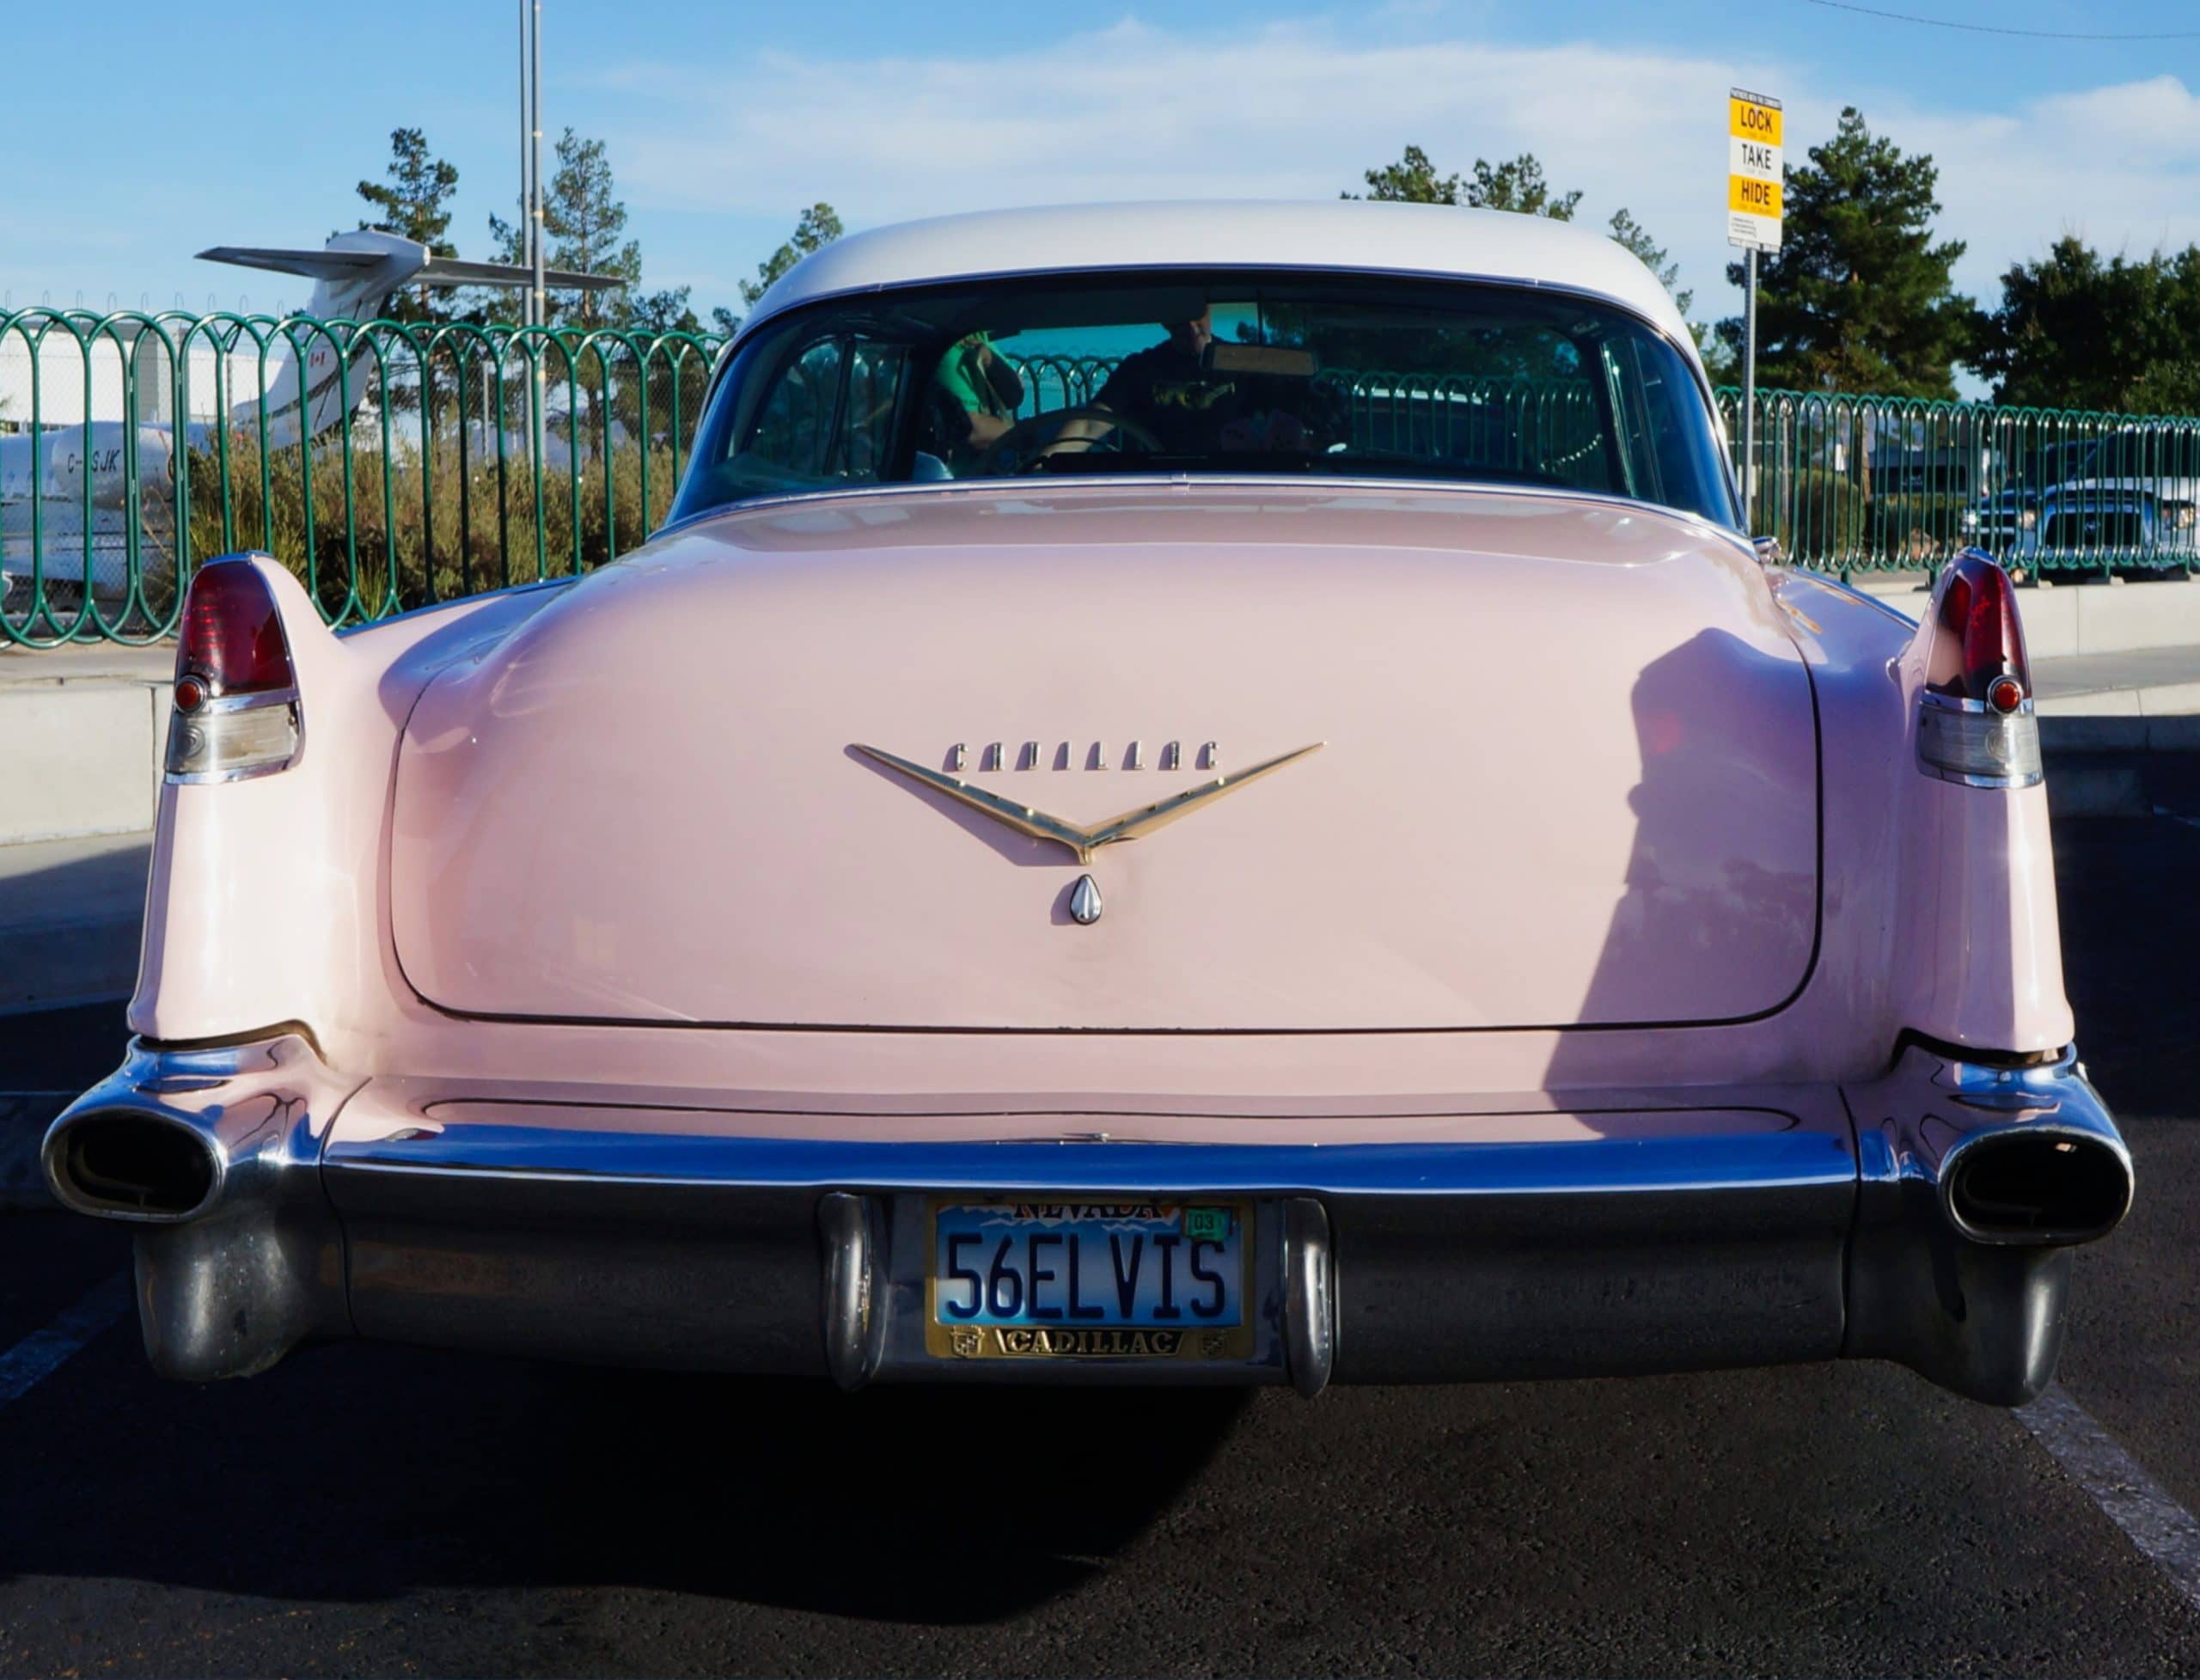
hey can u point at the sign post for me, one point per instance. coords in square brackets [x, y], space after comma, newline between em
[1754, 208]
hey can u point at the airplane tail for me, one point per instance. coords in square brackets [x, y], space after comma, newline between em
[355, 275]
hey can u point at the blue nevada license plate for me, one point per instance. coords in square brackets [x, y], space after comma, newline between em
[1090, 1280]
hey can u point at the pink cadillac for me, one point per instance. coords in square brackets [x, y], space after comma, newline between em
[1204, 793]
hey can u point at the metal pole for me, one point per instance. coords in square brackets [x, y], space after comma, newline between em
[526, 166]
[538, 302]
[534, 107]
[1749, 390]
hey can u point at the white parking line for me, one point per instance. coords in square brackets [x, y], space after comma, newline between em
[39, 1353]
[2156, 1524]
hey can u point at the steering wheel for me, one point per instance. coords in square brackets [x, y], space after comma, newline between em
[1035, 435]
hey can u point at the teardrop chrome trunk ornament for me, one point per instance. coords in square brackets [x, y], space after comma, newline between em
[1085, 904]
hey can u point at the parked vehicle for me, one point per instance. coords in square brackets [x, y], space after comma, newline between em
[1218, 881]
[2125, 501]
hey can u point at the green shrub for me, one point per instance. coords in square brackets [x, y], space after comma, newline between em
[393, 533]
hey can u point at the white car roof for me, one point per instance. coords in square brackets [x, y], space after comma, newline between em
[1335, 234]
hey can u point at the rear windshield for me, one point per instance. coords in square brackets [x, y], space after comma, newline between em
[1165, 374]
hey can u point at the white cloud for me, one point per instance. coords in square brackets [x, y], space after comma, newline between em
[1299, 110]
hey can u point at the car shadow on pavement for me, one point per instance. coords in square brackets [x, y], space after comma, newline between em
[2128, 912]
[358, 1472]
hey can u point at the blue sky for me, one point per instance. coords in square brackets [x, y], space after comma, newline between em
[151, 130]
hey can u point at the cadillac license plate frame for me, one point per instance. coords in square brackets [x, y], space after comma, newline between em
[1114, 1294]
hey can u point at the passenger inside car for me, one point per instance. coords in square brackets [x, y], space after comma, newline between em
[976, 393]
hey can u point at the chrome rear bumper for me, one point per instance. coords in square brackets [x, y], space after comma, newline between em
[594, 1235]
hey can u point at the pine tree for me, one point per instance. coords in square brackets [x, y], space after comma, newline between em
[582, 219]
[1630, 234]
[817, 227]
[1516, 184]
[1859, 297]
[414, 202]
[656, 313]
[1411, 180]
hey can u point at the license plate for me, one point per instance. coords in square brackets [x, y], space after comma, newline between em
[1090, 1280]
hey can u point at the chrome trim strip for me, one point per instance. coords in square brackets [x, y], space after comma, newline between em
[1021, 488]
[216, 777]
[2019, 728]
[1084, 840]
[756, 321]
[216, 705]
[1791, 1157]
[1956, 702]
[2004, 784]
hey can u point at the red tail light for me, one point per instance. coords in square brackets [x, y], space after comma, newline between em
[233, 641]
[1975, 722]
[1983, 645]
[236, 691]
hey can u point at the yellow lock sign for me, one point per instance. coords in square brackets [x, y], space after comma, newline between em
[1754, 170]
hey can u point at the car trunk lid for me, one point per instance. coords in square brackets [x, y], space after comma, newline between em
[1566, 772]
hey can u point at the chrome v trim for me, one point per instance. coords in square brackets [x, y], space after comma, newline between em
[1083, 841]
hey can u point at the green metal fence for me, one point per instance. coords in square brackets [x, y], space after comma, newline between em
[1864, 484]
[424, 462]
[433, 461]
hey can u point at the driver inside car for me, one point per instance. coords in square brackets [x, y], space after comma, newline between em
[1164, 387]
[1175, 393]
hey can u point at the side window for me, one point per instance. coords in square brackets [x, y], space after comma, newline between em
[1631, 417]
[793, 432]
[877, 374]
[830, 416]
[1665, 450]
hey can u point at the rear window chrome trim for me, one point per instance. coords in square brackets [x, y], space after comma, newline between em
[1023, 487]
[1512, 282]
[1690, 357]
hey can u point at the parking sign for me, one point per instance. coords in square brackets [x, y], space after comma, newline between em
[1753, 170]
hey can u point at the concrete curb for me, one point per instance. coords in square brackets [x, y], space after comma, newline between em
[2072, 618]
[2096, 732]
[70, 912]
[2097, 785]
[24, 1117]
[82, 735]
[2121, 767]
[91, 960]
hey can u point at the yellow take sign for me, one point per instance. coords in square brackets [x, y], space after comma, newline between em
[1753, 170]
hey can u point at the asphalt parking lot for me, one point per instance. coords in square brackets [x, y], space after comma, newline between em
[379, 1510]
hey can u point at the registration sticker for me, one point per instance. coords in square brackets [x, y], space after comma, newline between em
[1090, 1280]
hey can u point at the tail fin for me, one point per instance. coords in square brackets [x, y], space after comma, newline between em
[355, 275]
